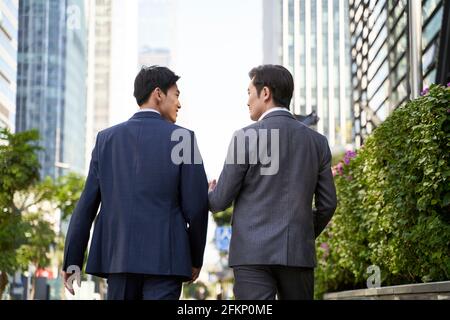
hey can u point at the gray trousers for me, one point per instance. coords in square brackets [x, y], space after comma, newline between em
[264, 282]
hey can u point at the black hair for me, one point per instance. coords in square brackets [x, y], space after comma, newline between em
[278, 79]
[150, 78]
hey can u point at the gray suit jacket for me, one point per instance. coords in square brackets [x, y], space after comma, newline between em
[273, 222]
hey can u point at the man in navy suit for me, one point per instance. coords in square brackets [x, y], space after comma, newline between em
[150, 232]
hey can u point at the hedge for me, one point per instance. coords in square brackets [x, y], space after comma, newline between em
[393, 202]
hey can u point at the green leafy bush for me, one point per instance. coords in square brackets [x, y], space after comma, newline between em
[223, 218]
[197, 290]
[393, 202]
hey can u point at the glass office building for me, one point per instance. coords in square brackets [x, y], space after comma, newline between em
[272, 32]
[51, 76]
[381, 42]
[101, 71]
[75, 100]
[8, 61]
[316, 49]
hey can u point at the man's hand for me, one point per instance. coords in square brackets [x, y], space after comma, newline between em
[195, 274]
[212, 185]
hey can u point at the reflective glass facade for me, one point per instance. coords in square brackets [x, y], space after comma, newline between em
[51, 92]
[316, 49]
[380, 57]
[8, 61]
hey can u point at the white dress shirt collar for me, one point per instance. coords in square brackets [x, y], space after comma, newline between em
[148, 110]
[272, 110]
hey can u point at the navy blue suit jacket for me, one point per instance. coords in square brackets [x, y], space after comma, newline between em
[154, 212]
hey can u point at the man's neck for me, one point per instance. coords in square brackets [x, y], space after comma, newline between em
[269, 109]
[149, 109]
[270, 106]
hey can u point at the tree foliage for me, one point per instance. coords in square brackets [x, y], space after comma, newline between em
[28, 206]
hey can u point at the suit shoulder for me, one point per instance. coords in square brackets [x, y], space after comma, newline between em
[314, 134]
[177, 127]
[252, 126]
[110, 130]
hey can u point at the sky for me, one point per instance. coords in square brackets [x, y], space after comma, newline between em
[216, 44]
[155, 26]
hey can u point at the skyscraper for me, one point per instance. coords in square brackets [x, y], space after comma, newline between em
[316, 49]
[385, 72]
[272, 32]
[8, 61]
[112, 67]
[99, 68]
[51, 93]
[74, 122]
[113, 64]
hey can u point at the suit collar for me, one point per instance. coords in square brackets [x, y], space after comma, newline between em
[278, 113]
[148, 114]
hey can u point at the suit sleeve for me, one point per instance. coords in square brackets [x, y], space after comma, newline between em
[194, 205]
[81, 221]
[325, 193]
[230, 180]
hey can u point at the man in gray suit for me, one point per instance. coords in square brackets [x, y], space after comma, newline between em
[274, 226]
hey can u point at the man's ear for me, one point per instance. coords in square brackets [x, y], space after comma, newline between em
[157, 94]
[266, 94]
